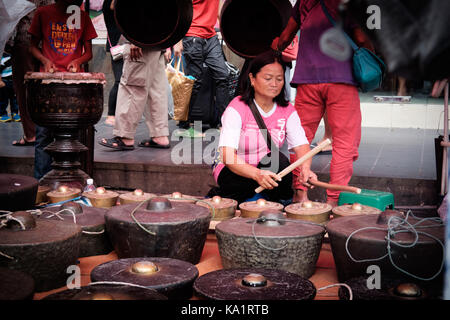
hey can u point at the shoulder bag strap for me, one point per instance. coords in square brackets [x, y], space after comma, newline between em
[262, 126]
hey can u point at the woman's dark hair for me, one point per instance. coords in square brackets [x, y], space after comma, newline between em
[247, 91]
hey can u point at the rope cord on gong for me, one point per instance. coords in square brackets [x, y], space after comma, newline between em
[264, 219]
[401, 225]
[4, 218]
[339, 285]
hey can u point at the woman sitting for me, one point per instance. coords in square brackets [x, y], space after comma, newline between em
[245, 162]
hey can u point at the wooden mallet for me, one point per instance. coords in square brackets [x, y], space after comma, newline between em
[299, 161]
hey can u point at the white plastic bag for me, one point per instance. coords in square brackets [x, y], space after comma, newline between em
[11, 11]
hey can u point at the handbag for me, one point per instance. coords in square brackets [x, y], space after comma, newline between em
[368, 68]
[266, 161]
[181, 89]
[116, 51]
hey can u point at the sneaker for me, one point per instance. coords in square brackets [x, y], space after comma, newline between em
[5, 118]
[16, 117]
[188, 133]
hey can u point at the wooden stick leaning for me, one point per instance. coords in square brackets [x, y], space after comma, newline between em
[336, 187]
[299, 161]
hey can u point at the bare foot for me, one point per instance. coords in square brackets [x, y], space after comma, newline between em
[163, 140]
[110, 120]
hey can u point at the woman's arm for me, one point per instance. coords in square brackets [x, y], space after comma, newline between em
[287, 35]
[264, 178]
[305, 168]
[49, 66]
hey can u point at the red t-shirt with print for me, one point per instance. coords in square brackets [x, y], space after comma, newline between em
[60, 44]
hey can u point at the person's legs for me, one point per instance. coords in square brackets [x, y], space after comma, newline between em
[3, 102]
[215, 61]
[309, 103]
[344, 118]
[42, 159]
[117, 67]
[22, 62]
[156, 111]
[193, 54]
[235, 187]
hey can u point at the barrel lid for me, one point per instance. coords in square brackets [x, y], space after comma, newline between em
[166, 272]
[347, 225]
[244, 227]
[179, 212]
[63, 77]
[107, 292]
[46, 231]
[15, 285]
[90, 216]
[232, 284]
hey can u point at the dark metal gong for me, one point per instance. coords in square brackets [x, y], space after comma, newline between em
[286, 245]
[171, 277]
[107, 292]
[159, 228]
[94, 240]
[254, 284]
[17, 192]
[369, 242]
[44, 249]
[15, 285]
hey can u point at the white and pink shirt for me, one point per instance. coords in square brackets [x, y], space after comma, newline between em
[240, 131]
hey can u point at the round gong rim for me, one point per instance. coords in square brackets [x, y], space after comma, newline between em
[254, 212]
[45, 232]
[141, 293]
[242, 227]
[16, 285]
[171, 272]
[318, 215]
[214, 285]
[180, 213]
[344, 226]
[90, 217]
[346, 211]
[130, 198]
[221, 211]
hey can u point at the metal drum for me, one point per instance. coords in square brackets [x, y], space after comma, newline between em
[94, 240]
[354, 209]
[65, 102]
[171, 277]
[107, 292]
[360, 241]
[158, 24]
[102, 198]
[224, 208]
[136, 196]
[390, 289]
[15, 285]
[158, 228]
[309, 211]
[252, 209]
[253, 284]
[249, 26]
[17, 192]
[42, 248]
[270, 242]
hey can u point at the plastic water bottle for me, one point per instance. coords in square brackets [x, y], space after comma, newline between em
[89, 185]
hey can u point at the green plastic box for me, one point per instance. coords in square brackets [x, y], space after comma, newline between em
[373, 198]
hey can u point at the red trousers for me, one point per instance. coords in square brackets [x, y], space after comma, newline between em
[341, 101]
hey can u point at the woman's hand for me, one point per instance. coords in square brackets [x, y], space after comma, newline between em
[305, 175]
[266, 179]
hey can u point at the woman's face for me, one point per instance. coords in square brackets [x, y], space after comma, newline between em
[269, 81]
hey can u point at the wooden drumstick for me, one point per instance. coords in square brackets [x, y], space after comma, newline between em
[336, 187]
[297, 163]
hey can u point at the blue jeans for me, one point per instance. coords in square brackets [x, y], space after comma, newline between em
[42, 159]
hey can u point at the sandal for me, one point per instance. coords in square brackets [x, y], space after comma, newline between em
[23, 143]
[116, 143]
[149, 143]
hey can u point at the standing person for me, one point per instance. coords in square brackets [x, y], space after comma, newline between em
[324, 84]
[117, 65]
[241, 168]
[201, 46]
[7, 94]
[142, 90]
[63, 50]
[22, 62]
